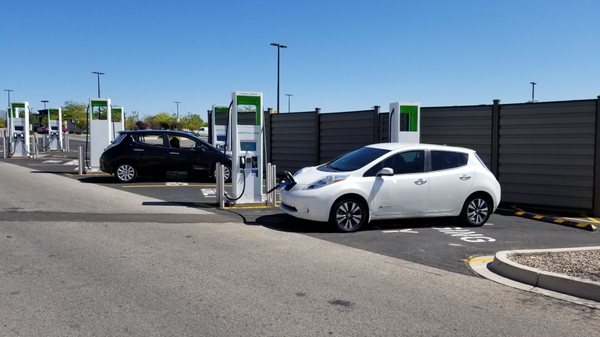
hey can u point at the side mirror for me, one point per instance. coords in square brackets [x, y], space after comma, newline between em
[386, 171]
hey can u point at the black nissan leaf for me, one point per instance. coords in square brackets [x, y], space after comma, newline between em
[137, 153]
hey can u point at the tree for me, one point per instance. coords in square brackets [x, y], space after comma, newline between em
[2, 123]
[191, 122]
[75, 113]
[162, 120]
[131, 120]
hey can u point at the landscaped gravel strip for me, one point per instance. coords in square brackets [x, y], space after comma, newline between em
[583, 264]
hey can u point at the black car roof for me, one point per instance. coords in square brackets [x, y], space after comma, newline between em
[174, 132]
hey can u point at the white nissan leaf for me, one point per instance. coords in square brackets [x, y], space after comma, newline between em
[394, 180]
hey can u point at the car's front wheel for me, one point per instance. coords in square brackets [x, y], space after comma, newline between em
[125, 172]
[348, 214]
[476, 211]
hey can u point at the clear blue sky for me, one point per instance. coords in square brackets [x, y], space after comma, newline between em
[342, 55]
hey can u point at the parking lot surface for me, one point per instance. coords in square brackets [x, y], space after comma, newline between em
[437, 243]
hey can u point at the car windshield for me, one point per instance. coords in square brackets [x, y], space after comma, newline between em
[356, 159]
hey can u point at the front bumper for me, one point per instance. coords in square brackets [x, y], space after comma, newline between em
[306, 204]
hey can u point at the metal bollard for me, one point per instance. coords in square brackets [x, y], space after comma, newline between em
[268, 183]
[80, 157]
[273, 184]
[3, 147]
[220, 176]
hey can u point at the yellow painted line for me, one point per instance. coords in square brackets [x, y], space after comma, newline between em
[87, 174]
[593, 220]
[481, 259]
[559, 221]
[170, 185]
[517, 208]
[538, 217]
[582, 225]
[249, 207]
[520, 213]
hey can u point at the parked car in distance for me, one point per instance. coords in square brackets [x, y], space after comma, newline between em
[136, 153]
[394, 180]
[202, 132]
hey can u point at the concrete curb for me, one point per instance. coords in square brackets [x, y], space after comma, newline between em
[574, 286]
[549, 219]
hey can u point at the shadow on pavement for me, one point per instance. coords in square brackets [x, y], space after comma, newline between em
[286, 223]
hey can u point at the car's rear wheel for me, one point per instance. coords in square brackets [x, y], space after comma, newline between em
[226, 173]
[125, 172]
[476, 210]
[348, 214]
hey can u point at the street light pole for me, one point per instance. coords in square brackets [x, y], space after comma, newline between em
[98, 74]
[7, 109]
[288, 96]
[279, 46]
[47, 115]
[532, 91]
[177, 123]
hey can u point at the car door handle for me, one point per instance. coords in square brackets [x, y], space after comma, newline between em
[465, 177]
[173, 152]
[138, 150]
[420, 181]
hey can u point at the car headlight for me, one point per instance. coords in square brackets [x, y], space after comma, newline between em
[326, 181]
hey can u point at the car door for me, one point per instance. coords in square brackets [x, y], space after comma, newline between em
[150, 152]
[405, 192]
[450, 181]
[177, 160]
[194, 155]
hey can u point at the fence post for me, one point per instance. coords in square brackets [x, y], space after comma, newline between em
[317, 136]
[495, 157]
[376, 125]
[596, 196]
[268, 125]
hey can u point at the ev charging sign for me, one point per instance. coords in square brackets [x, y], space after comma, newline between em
[117, 114]
[247, 146]
[405, 122]
[100, 129]
[19, 129]
[55, 132]
[219, 125]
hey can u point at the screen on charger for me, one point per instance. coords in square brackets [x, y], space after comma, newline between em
[248, 146]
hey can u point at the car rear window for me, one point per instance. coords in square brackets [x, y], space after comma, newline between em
[443, 160]
[148, 139]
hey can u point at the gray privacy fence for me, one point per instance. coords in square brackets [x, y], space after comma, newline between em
[543, 153]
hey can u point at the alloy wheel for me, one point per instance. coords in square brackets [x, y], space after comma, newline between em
[125, 173]
[349, 215]
[478, 211]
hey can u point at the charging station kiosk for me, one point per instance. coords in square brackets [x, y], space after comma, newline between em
[19, 129]
[219, 125]
[100, 129]
[405, 122]
[55, 131]
[247, 146]
[117, 114]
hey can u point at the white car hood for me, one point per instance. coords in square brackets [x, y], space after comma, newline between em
[309, 175]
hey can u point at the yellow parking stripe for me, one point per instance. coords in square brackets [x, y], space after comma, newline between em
[481, 259]
[168, 185]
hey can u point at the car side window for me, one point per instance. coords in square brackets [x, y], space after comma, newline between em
[186, 143]
[443, 160]
[151, 139]
[401, 163]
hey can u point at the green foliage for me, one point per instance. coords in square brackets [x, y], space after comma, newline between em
[76, 113]
[162, 120]
[2, 123]
[191, 122]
